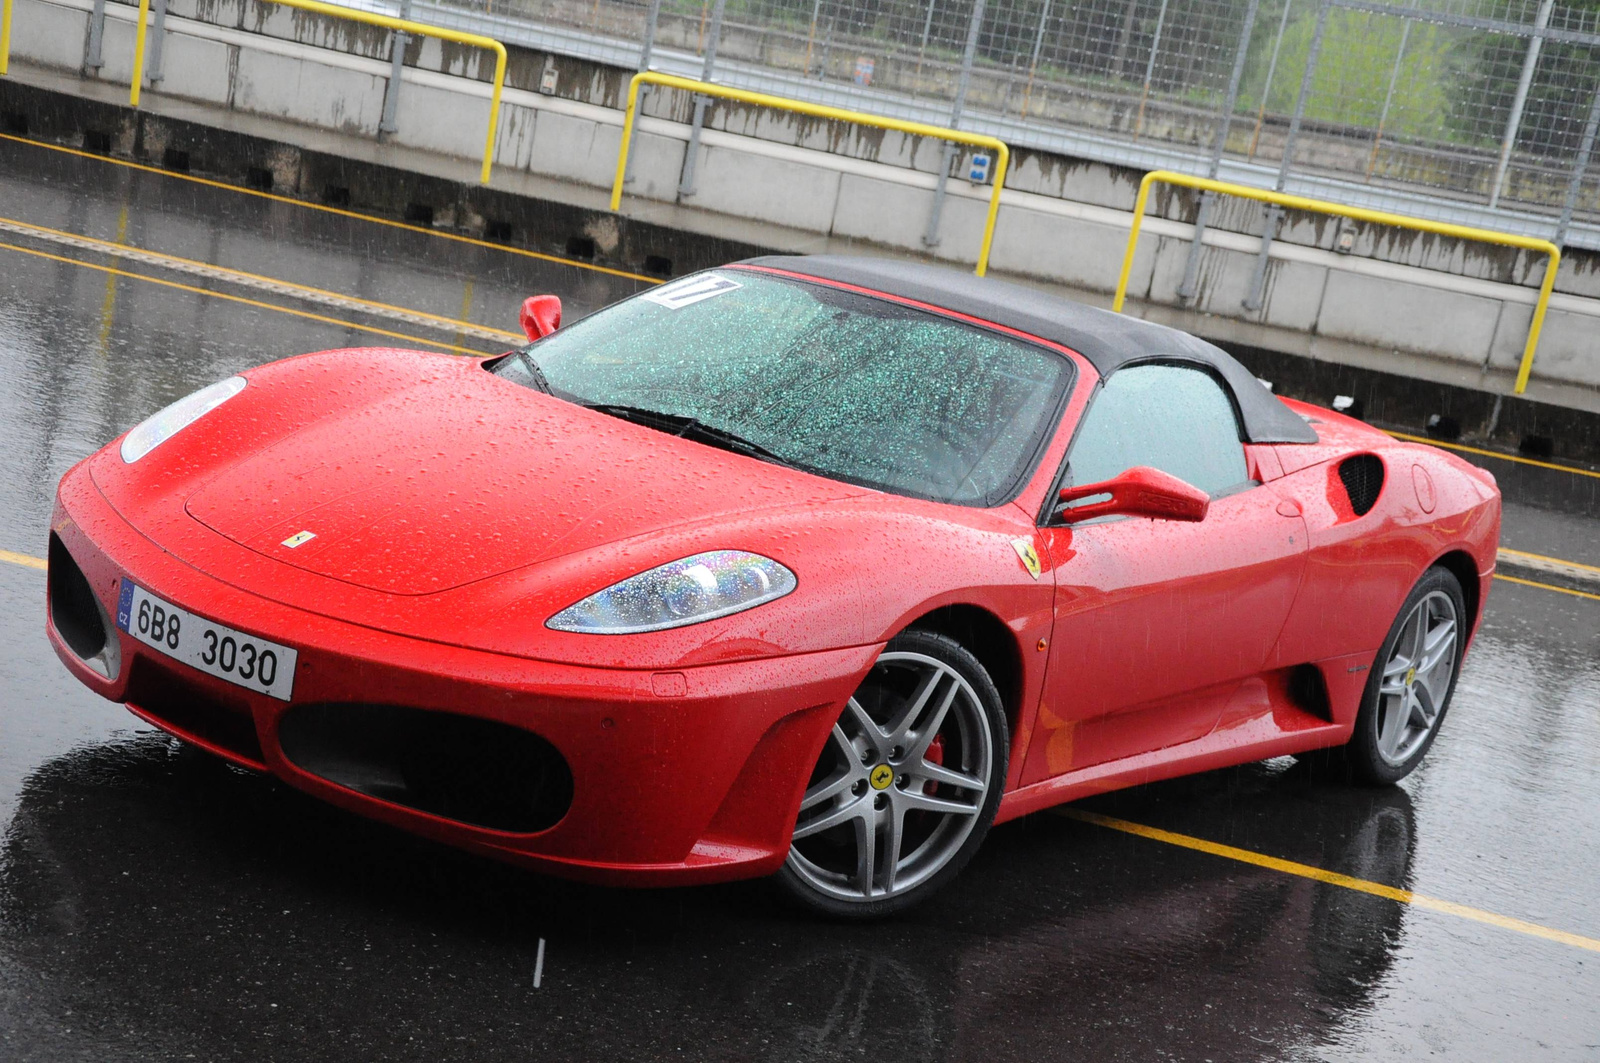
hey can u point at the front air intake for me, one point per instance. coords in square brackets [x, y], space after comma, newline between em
[77, 614]
[474, 771]
[1363, 481]
[72, 604]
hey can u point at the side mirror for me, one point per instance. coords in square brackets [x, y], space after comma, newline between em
[1139, 492]
[541, 315]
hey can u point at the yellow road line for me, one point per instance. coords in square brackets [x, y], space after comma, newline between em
[1333, 878]
[1576, 569]
[1548, 587]
[242, 300]
[14, 558]
[407, 226]
[256, 280]
[1519, 459]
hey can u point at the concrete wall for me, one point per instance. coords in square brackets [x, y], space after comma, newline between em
[796, 180]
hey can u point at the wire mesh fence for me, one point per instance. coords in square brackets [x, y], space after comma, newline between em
[1418, 106]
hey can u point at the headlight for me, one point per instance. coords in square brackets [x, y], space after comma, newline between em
[688, 591]
[156, 429]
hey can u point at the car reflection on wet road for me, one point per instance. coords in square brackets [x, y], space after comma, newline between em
[156, 903]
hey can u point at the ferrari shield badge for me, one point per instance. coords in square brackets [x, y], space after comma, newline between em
[1029, 556]
[299, 537]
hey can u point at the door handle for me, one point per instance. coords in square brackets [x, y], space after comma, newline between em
[1289, 508]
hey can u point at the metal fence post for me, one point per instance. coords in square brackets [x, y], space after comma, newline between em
[1274, 213]
[1191, 269]
[931, 237]
[1575, 184]
[387, 125]
[811, 34]
[1266, 86]
[92, 62]
[922, 49]
[1388, 97]
[686, 177]
[158, 34]
[1150, 68]
[1038, 43]
[1518, 102]
[651, 18]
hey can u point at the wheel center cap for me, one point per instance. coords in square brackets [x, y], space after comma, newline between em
[1411, 676]
[881, 777]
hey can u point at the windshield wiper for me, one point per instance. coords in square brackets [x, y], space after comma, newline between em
[691, 428]
[534, 371]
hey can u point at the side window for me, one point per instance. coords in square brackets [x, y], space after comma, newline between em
[1168, 417]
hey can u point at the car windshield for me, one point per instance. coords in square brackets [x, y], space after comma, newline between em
[849, 386]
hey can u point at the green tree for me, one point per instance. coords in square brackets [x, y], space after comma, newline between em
[1357, 59]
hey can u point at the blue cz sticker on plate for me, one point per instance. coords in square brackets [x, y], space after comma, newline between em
[125, 604]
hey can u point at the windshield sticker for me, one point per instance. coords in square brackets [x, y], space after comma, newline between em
[695, 289]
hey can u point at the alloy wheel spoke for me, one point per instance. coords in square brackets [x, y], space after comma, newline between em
[1441, 646]
[866, 852]
[847, 748]
[1435, 681]
[893, 831]
[1417, 632]
[859, 808]
[930, 772]
[926, 803]
[1394, 724]
[907, 716]
[826, 790]
[1423, 707]
[1398, 664]
[926, 733]
[1442, 633]
[865, 724]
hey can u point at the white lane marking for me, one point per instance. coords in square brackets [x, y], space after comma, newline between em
[538, 966]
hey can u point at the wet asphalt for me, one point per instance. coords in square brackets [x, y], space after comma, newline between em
[157, 904]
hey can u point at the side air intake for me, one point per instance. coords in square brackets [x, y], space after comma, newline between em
[1363, 481]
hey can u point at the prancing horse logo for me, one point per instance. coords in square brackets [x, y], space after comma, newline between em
[881, 777]
[1028, 555]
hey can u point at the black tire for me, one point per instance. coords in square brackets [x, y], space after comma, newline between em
[978, 719]
[1364, 754]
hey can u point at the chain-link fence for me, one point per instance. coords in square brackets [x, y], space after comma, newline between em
[1480, 111]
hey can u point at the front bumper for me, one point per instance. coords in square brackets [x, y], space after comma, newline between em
[678, 777]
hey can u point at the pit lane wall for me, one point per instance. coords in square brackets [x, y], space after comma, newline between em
[1418, 304]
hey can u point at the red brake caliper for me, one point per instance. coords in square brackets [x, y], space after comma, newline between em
[934, 755]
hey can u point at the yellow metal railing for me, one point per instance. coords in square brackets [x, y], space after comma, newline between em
[817, 110]
[1318, 206]
[419, 29]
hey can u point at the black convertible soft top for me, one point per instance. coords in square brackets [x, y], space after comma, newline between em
[1110, 341]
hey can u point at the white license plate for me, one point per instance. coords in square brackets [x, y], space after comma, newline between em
[248, 661]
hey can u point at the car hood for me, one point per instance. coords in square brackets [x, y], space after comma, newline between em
[458, 479]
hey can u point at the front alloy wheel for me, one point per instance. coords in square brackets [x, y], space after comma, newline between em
[905, 787]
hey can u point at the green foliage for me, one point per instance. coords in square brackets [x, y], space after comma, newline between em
[1358, 56]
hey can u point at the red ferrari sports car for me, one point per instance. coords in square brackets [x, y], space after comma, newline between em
[806, 567]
